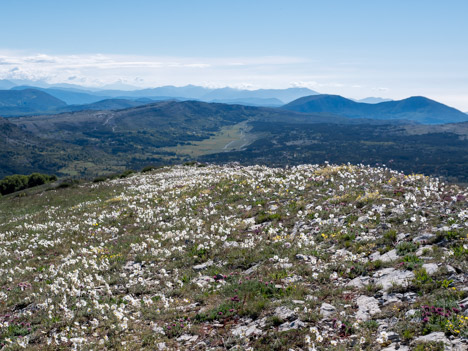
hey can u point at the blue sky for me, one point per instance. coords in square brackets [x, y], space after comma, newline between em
[356, 48]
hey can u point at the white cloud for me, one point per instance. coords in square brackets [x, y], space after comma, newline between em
[143, 71]
[308, 84]
[331, 76]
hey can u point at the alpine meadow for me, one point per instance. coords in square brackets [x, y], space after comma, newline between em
[206, 175]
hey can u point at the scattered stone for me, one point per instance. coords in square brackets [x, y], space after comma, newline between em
[284, 265]
[203, 281]
[424, 238]
[389, 277]
[187, 338]
[419, 252]
[389, 256]
[367, 307]
[291, 280]
[158, 330]
[298, 302]
[401, 236]
[296, 324]
[284, 313]
[190, 307]
[450, 269]
[430, 268]
[394, 337]
[375, 256]
[327, 310]
[459, 345]
[396, 347]
[252, 269]
[202, 266]
[359, 282]
[261, 322]
[410, 297]
[434, 337]
[308, 259]
[246, 330]
[363, 219]
[392, 298]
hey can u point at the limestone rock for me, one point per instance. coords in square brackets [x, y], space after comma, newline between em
[284, 313]
[396, 347]
[389, 256]
[246, 330]
[202, 266]
[424, 238]
[359, 282]
[430, 268]
[388, 277]
[203, 281]
[434, 337]
[327, 310]
[296, 324]
[367, 307]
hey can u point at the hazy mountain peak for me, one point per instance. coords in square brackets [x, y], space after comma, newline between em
[416, 108]
[6, 84]
[373, 100]
[27, 101]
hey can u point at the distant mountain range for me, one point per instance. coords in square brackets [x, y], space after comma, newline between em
[28, 101]
[23, 100]
[260, 97]
[70, 97]
[6, 84]
[372, 100]
[417, 109]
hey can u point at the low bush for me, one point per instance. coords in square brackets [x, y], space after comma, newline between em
[17, 182]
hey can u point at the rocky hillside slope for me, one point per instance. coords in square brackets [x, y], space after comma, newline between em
[237, 258]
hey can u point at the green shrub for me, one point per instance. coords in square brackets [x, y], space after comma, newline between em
[36, 179]
[405, 248]
[430, 346]
[99, 179]
[390, 236]
[148, 169]
[68, 183]
[126, 173]
[17, 182]
[13, 183]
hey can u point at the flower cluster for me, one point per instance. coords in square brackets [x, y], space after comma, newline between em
[185, 256]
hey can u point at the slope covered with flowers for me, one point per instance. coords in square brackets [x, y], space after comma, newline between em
[237, 258]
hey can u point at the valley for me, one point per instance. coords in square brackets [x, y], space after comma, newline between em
[92, 143]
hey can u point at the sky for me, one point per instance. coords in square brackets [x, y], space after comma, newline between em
[392, 49]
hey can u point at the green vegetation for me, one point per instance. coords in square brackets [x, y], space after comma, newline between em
[96, 143]
[430, 150]
[17, 182]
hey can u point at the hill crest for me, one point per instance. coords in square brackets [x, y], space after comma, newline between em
[417, 109]
[298, 255]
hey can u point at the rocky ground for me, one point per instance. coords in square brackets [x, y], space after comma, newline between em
[237, 258]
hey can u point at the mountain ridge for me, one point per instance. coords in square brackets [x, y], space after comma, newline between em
[28, 101]
[74, 95]
[416, 108]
